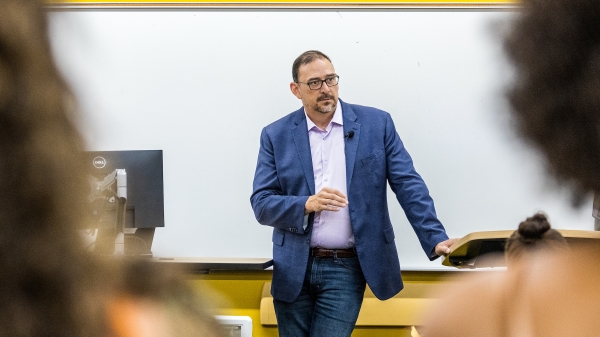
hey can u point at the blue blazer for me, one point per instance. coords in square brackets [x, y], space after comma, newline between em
[375, 156]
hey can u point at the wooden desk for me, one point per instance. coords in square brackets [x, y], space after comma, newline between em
[486, 249]
[203, 265]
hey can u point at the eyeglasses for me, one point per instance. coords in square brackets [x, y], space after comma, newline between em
[317, 84]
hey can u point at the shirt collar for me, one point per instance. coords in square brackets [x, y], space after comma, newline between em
[337, 118]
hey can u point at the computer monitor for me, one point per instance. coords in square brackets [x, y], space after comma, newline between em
[126, 194]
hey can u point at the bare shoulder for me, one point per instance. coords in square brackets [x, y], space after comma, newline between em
[470, 307]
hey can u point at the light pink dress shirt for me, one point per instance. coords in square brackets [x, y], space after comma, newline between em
[330, 229]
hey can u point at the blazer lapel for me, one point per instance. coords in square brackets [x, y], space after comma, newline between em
[300, 133]
[351, 143]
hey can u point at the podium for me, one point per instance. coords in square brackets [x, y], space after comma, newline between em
[486, 249]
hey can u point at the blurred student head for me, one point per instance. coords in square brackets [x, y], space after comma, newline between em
[47, 286]
[550, 295]
[499, 299]
[154, 300]
[533, 235]
[554, 46]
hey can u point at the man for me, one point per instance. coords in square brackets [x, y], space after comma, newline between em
[321, 182]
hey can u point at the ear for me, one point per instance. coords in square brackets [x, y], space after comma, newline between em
[295, 88]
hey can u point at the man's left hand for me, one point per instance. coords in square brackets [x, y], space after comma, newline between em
[443, 248]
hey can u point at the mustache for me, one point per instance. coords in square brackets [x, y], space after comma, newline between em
[325, 96]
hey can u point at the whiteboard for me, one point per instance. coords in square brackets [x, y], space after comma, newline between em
[200, 84]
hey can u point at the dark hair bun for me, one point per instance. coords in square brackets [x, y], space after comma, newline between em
[534, 227]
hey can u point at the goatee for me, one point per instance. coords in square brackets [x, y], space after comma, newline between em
[325, 108]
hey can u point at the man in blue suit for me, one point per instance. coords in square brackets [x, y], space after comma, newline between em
[321, 182]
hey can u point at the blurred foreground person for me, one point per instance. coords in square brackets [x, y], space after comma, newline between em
[48, 285]
[499, 302]
[555, 101]
[555, 98]
[550, 294]
[155, 301]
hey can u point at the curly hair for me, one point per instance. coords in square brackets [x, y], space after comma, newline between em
[533, 234]
[555, 100]
[48, 286]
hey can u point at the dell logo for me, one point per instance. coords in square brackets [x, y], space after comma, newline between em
[99, 162]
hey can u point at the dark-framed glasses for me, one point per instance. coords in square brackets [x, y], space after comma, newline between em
[317, 84]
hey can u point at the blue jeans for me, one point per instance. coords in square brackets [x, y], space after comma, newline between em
[329, 302]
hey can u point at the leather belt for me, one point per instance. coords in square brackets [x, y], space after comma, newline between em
[341, 253]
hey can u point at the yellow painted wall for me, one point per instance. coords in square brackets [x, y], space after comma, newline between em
[238, 293]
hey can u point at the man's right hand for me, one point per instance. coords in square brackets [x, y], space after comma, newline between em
[328, 199]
